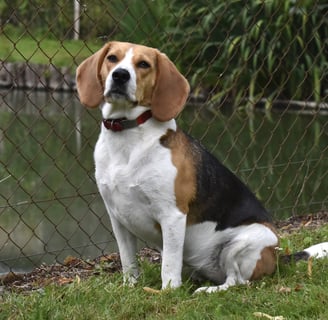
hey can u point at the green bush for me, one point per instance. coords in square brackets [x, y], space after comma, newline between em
[254, 49]
[237, 50]
[240, 50]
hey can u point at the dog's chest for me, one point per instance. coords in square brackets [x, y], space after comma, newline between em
[135, 176]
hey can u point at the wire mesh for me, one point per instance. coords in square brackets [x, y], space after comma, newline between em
[258, 72]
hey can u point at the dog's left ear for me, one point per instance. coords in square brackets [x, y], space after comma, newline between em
[88, 79]
[170, 92]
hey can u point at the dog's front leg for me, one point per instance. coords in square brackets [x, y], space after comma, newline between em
[127, 245]
[173, 232]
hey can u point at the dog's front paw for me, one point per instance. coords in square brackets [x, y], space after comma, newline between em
[130, 280]
[171, 284]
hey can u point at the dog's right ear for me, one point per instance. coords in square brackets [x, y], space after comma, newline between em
[90, 85]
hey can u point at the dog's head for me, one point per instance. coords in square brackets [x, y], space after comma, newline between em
[132, 74]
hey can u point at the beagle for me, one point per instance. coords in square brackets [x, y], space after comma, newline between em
[160, 185]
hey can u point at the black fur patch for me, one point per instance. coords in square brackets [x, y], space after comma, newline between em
[221, 196]
[302, 255]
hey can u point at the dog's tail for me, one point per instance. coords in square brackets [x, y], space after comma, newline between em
[316, 251]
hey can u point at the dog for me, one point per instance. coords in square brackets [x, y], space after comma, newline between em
[162, 186]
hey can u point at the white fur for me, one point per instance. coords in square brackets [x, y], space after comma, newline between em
[126, 64]
[319, 250]
[227, 256]
[135, 176]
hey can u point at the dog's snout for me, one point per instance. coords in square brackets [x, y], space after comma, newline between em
[121, 76]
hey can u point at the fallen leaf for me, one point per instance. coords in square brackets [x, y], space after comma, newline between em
[10, 278]
[307, 223]
[267, 316]
[298, 287]
[287, 251]
[150, 290]
[309, 267]
[71, 261]
[109, 257]
[63, 281]
[287, 227]
[285, 290]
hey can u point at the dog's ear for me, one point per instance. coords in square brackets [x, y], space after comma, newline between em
[170, 92]
[90, 86]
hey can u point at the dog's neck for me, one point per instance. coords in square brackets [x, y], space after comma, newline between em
[124, 124]
[132, 113]
[111, 111]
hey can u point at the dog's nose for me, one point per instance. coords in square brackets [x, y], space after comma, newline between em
[121, 76]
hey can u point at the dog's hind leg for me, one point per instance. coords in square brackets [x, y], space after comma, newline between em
[248, 256]
[241, 273]
[233, 276]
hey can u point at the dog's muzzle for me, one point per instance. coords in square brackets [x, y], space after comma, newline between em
[119, 86]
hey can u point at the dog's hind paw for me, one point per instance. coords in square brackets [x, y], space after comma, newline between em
[211, 289]
[208, 289]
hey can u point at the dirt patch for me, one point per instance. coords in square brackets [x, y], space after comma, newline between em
[76, 269]
[72, 269]
[309, 221]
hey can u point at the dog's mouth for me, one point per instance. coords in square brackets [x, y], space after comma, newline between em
[118, 95]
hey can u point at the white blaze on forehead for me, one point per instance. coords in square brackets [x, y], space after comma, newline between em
[127, 64]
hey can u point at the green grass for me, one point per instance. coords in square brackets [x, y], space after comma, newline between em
[290, 293]
[18, 48]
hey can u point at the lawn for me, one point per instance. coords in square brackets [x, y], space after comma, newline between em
[297, 291]
[18, 48]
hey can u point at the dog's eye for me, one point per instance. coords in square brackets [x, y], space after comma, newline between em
[143, 64]
[112, 58]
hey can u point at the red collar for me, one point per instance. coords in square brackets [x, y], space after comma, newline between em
[123, 123]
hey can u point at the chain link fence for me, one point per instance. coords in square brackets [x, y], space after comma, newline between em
[258, 72]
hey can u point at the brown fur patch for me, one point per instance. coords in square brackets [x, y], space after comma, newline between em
[183, 160]
[266, 265]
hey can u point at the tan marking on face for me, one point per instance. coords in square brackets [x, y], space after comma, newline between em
[266, 265]
[146, 77]
[142, 58]
[183, 160]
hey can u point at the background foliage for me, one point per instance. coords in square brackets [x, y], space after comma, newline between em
[233, 49]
